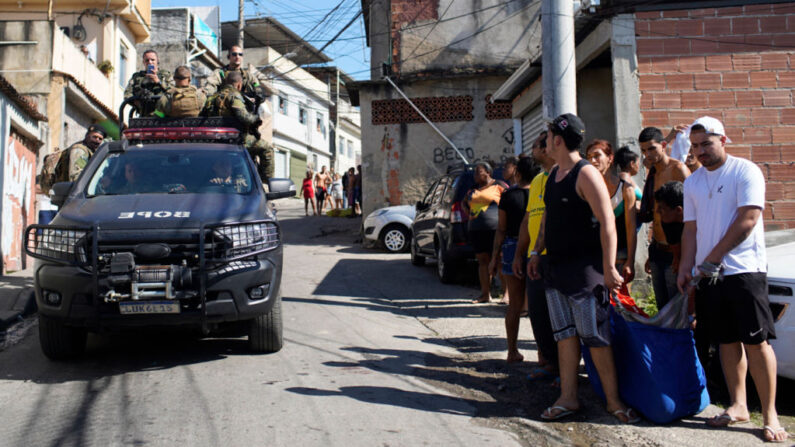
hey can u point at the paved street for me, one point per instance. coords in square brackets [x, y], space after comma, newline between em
[377, 352]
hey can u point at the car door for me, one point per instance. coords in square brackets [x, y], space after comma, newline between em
[440, 213]
[423, 221]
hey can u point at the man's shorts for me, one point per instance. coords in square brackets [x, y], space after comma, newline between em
[738, 308]
[584, 315]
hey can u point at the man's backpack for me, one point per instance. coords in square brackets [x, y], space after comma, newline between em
[55, 169]
[185, 103]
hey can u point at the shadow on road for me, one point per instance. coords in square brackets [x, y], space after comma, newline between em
[120, 353]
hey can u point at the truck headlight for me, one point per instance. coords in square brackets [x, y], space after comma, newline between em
[55, 243]
[247, 239]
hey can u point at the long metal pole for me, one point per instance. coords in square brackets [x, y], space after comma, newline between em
[337, 118]
[455, 148]
[241, 21]
[558, 64]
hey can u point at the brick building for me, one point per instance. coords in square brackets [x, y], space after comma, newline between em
[669, 63]
[448, 57]
[736, 64]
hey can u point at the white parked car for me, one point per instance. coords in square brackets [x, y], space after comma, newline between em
[391, 226]
[781, 284]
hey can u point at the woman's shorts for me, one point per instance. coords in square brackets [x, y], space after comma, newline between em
[482, 240]
[336, 195]
[508, 253]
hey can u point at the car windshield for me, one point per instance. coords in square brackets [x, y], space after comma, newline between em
[151, 171]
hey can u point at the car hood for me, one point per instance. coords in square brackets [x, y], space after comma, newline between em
[781, 262]
[405, 210]
[161, 210]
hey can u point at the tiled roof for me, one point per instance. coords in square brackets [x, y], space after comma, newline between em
[20, 100]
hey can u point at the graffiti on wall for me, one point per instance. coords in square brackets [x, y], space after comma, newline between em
[447, 155]
[390, 170]
[19, 169]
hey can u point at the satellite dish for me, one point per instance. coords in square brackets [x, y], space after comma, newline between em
[78, 33]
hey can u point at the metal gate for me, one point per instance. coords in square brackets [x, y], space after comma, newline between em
[532, 125]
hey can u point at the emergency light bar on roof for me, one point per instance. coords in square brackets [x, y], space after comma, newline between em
[175, 134]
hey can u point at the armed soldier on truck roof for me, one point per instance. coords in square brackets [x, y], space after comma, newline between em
[183, 100]
[148, 84]
[255, 84]
[229, 102]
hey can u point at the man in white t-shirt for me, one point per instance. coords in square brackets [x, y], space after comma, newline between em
[724, 239]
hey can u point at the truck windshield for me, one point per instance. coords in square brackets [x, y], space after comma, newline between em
[149, 171]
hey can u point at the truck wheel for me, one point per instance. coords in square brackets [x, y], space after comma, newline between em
[395, 238]
[265, 331]
[60, 342]
[415, 258]
[444, 266]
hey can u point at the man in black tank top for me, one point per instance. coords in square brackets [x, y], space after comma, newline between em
[579, 234]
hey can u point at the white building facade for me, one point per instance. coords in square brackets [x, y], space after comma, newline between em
[301, 130]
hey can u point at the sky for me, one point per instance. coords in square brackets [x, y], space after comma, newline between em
[303, 17]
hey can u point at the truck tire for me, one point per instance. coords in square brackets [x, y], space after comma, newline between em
[60, 342]
[265, 333]
[416, 259]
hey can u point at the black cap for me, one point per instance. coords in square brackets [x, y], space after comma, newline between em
[98, 129]
[571, 128]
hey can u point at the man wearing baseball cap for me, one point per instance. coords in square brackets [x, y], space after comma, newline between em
[724, 240]
[579, 234]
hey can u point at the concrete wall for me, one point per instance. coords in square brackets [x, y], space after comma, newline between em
[27, 67]
[595, 103]
[397, 156]
[171, 32]
[735, 64]
[444, 34]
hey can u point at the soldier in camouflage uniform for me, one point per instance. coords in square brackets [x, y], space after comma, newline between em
[146, 84]
[80, 152]
[255, 84]
[183, 100]
[229, 102]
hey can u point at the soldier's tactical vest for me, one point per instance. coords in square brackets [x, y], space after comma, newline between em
[185, 103]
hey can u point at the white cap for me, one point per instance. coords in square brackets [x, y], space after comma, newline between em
[712, 126]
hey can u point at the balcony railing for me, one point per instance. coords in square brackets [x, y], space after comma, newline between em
[68, 58]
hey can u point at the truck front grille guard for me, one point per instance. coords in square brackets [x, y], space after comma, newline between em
[230, 243]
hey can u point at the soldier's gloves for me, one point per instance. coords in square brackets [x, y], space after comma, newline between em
[257, 123]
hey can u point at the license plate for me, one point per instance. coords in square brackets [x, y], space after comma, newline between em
[149, 307]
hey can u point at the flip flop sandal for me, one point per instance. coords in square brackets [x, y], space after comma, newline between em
[724, 420]
[562, 413]
[774, 432]
[629, 414]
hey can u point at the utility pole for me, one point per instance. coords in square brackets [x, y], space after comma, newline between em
[558, 63]
[337, 118]
[241, 21]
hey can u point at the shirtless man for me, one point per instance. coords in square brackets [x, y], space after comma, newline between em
[664, 169]
[322, 180]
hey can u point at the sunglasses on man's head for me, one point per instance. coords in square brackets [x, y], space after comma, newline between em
[236, 54]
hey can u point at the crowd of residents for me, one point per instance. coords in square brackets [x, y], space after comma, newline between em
[327, 189]
[564, 242]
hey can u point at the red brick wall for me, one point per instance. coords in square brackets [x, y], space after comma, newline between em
[406, 12]
[738, 65]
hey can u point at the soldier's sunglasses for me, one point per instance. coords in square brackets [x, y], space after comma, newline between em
[236, 54]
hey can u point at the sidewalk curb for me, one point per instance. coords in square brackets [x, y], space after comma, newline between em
[24, 305]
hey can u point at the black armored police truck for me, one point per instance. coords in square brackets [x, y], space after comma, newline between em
[169, 226]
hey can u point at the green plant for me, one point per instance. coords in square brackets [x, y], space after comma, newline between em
[105, 66]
